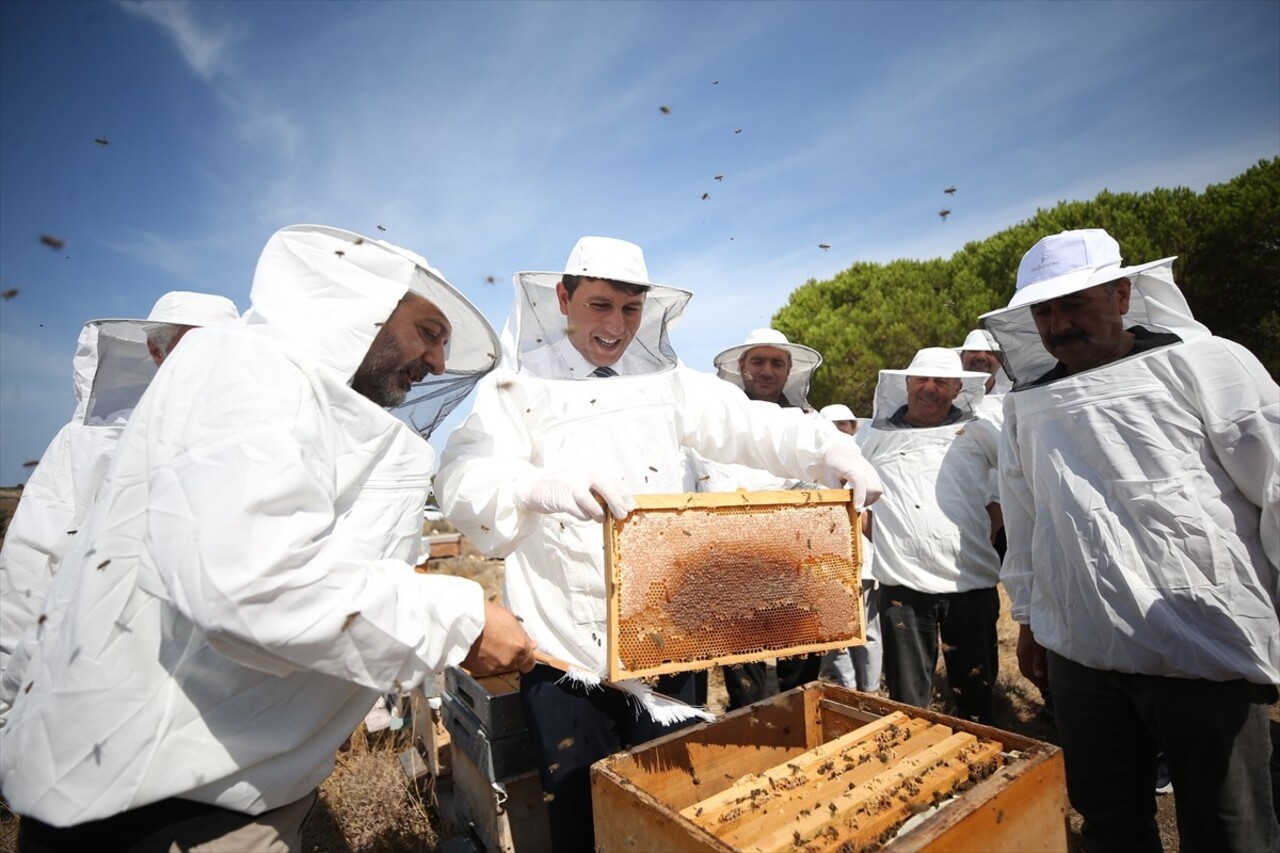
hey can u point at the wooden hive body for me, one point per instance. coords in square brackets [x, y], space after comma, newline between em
[696, 580]
[825, 768]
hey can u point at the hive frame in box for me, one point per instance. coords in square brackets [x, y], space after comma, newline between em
[642, 798]
[807, 584]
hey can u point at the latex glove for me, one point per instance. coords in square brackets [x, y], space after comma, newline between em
[574, 492]
[844, 464]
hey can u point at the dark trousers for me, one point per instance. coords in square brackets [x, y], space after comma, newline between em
[171, 824]
[748, 682]
[1216, 740]
[910, 624]
[572, 728]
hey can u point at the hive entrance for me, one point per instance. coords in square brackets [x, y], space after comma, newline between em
[716, 578]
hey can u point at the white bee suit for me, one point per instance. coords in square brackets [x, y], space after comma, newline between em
[1142, 499]
[241, 592]
[111, 369]
[931, 528]
[635, 428]
[62, 488]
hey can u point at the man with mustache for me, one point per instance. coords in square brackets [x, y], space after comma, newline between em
[242, 590]
[979, 353]
[933, 531]
[1140, 478]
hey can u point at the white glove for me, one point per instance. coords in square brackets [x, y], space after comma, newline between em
[843, 463]
[574, 492]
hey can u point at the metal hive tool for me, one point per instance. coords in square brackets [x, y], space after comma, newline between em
[701, 579]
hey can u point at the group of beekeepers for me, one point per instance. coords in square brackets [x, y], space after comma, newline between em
[206, 583]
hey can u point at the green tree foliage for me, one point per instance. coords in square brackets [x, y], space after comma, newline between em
[873, 316]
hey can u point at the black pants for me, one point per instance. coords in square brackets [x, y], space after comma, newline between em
[910, 624]
[748, 682]
[163, 826]
[572, 728]
[1216, 740]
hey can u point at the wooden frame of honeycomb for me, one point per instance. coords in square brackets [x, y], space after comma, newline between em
[695, 580]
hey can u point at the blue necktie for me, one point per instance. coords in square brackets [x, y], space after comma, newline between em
[604, 372]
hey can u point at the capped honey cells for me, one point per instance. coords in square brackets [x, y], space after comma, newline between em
[701, 579]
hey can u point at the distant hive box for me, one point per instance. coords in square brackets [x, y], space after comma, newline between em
[823, 768]
[442, 545]
[701, 579]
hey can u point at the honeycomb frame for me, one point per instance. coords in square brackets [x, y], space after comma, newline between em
[684, 596]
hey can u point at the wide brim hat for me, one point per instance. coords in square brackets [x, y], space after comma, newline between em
[537, 322]
[978, 341]
[188, 308]
[804, 360]
[1069, 262]
[605, 258]
[942, 362]
[837, 412]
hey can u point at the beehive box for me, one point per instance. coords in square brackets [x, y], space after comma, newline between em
[826, 768]
[500, 817]
[695, 580]
[442, 545]
[499, 758]
[493, 699]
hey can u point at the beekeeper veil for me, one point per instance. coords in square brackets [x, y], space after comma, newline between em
[804, 361]
[979, 341]
[1072, 261]
[327, 292]
[538, 323]
[112, 364]
[891, 390]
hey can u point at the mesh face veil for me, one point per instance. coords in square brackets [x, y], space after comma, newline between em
[123, 368]
[327, 292]
[472, 352]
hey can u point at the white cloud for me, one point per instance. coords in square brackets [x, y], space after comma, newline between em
[202, 46]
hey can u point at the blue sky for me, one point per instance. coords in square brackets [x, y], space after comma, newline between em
[489, 136]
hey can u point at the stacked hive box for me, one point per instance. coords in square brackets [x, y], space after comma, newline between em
[824, 768]
[497, 796]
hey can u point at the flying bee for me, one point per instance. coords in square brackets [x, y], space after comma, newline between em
[666, 110]
[824, 246]
[102, 140]
[9, 294]
[52, 242]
